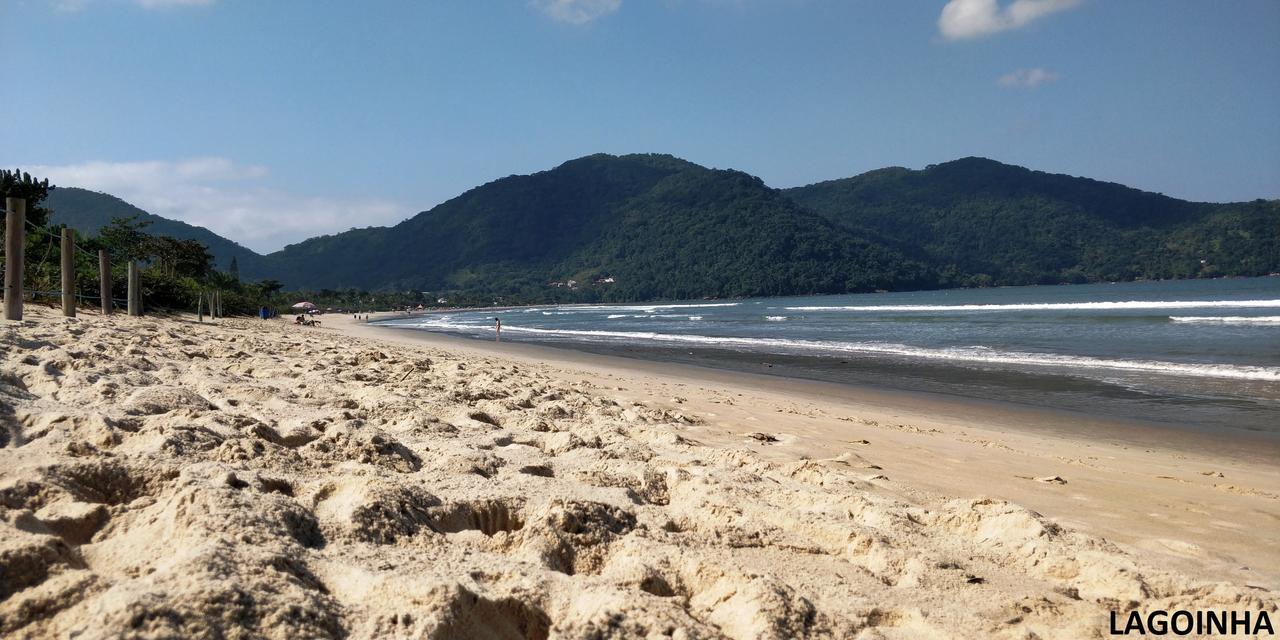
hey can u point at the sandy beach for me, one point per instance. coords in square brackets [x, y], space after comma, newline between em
[161, 477]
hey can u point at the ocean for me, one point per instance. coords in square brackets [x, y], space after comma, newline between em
[1201, 354]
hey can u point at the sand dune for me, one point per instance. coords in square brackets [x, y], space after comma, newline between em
[161, 478]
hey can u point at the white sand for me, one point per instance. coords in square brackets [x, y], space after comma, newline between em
[161, 478]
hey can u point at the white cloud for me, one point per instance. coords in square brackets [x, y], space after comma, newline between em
[963, 19]
[577, 11]
[1027, 78]
[224, 197]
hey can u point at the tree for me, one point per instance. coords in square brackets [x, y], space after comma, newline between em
[234, 269]
[19, 184]
[219, 283]
[180, 258]
[271, 287]
[126, 240]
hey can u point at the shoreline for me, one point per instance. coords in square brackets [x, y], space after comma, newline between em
[1248, 445]
[1115, 470]
[1137, 367]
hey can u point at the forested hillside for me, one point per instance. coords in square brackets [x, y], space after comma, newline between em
[89, 211]
[979, 222]
[642, 227]
[658, 226]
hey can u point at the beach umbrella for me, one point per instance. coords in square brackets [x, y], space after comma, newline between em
[304, 305]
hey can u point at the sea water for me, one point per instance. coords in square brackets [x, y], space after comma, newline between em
[1197, 353]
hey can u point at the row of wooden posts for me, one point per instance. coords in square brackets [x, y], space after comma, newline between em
[15, 242]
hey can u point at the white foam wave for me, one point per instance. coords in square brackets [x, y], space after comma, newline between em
[1245, 320]
[695, 317]
[973, 354]
[1059, 306]
[775, 318]
[636, 308]
[615, 316]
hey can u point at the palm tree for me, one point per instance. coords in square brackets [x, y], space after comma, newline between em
[218, 282]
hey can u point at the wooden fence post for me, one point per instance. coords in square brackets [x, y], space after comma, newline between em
[68, 272]
[104, 281]
[15, 243]
[135, 298]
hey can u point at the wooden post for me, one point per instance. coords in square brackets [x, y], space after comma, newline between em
[135, 298]
[137, 292]
[68, 272]
[104, 280]
[200, 307]
[15, 242]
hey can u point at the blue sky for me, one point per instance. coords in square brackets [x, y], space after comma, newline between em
[273, 121]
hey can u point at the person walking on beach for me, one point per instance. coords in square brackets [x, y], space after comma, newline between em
[497, 327]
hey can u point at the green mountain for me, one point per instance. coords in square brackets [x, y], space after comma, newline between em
[655, 226]
[660, 227]
[980, 222]
[88, 211]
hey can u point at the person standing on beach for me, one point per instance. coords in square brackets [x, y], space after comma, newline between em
[497, 326]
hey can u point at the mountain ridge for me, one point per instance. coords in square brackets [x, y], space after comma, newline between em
[662, 226]
[87, 211]
[580, 221]
[982, 222]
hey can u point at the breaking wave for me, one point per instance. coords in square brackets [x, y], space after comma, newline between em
[1244, 320]
[1060, 306]
[970, 354]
